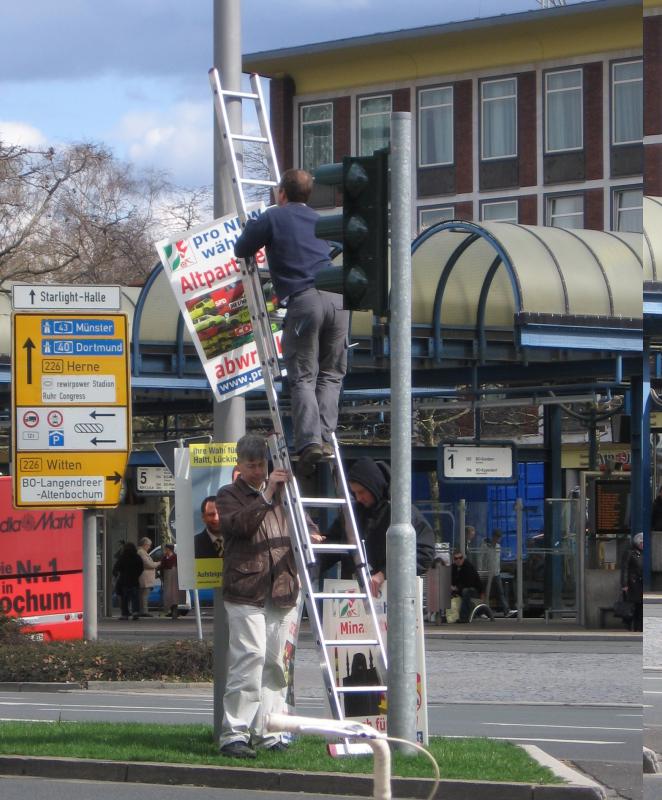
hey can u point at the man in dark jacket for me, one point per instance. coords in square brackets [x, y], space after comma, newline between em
[260, 591]
[632, 581]
[370, 483]
[316, 327]
[465, 582]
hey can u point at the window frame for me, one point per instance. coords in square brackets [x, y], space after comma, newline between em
[483, 82]
[302, 124]
[500, 202]
[549, 198]
[422, 209]
[420, 91]
[617, 190]
[360, 116]
[612, 94]
[546, 93]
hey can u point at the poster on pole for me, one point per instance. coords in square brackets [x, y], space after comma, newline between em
[358, 666]
[206, 280]
[200, 471]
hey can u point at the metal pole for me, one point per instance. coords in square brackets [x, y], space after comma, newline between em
[90, 576]
[229, 416]
[196, 608]
[519, 507]
[401, 538]
[462, 522]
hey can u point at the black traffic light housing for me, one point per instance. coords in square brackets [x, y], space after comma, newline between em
[362, 229]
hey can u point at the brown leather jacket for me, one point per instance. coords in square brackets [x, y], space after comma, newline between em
[258, 559]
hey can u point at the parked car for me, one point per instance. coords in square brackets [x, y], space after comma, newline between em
[155, 599]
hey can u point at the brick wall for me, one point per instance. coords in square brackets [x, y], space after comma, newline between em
[593, 122]
[528, 210]
[653, 170]
[463, 136]
[652, 72]
[526, 127]
[281, 111]
[594, 209]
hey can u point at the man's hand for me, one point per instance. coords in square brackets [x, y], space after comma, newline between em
[317, 538]
[277, 478]
[376, 581]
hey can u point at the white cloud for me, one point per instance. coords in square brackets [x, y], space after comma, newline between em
[21, 133]
[177, 140]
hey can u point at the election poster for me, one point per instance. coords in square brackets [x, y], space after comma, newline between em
[206, 280]
[200, 471]
[356, 666]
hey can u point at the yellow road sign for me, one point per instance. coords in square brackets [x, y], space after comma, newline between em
[70, 408]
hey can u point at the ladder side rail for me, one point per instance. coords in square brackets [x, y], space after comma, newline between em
[265, 128]
[360, 557]
[224, 128]
[262, 332]
[295, 531]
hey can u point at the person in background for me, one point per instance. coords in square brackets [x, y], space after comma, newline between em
[470, 541]
[315, 330]
[209, 543]
[127, 570]
[170, 580]
[656, 512]
[260, 593]
[465, 583]
[148, 575]
[370, 483]
[492, 565]
[632, 581]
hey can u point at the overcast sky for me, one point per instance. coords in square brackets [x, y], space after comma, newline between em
[133, 73]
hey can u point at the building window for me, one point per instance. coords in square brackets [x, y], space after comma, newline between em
[316, 135]
[628, 210]
[566, 211]
[427, 217]
[499, 211]
[435, 126]
[374, 124]
[499, 118]
[627, 102]
[563, 111]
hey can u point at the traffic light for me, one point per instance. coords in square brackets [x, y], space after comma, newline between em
[363, 230]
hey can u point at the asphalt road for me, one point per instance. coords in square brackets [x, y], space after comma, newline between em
[49, 789]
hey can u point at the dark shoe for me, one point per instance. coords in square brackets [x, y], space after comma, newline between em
[327, 450]
[238, 750]
[278, 747]
[136, 616]
[309, 457]
[511, 613]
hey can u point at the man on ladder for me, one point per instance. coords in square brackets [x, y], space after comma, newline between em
[315, 331]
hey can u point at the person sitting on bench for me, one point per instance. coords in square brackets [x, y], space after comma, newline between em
[465, 583]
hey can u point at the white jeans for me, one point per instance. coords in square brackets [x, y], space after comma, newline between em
[256, 675]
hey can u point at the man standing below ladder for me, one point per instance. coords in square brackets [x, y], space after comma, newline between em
[316, 327]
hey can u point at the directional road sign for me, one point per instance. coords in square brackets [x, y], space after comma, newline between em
[26, 297]
[71, 407]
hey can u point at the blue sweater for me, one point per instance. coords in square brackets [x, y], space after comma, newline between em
[294, 253]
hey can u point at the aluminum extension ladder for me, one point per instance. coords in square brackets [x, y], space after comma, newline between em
[294, 504]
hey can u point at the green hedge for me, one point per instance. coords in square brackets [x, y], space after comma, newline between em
[94, 661]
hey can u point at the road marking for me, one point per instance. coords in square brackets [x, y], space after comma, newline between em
[528, 739]
[574, 727]
[52, 707]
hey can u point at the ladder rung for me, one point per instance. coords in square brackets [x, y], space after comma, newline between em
[255, 182]
[349, 642]
[324, 502]
[246, 95]
[357, 689]
[334, 548]
[244, 137]
[340, 595]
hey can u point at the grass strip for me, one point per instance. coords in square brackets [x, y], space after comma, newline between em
[463, 759]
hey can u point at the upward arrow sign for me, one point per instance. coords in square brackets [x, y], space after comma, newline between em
[32, 294]
[29, 346]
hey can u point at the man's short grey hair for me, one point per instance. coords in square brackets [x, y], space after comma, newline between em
[251, 447]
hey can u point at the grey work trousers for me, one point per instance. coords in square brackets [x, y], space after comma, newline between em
[315, 354]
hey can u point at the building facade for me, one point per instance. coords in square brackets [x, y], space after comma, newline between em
[536, 118]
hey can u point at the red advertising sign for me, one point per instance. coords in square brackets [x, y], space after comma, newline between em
[41, 567]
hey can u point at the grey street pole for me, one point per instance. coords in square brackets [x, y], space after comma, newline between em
[400, 537]
[230, 415]
[90, 576]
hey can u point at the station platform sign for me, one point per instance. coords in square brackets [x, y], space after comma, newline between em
[70, 408]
